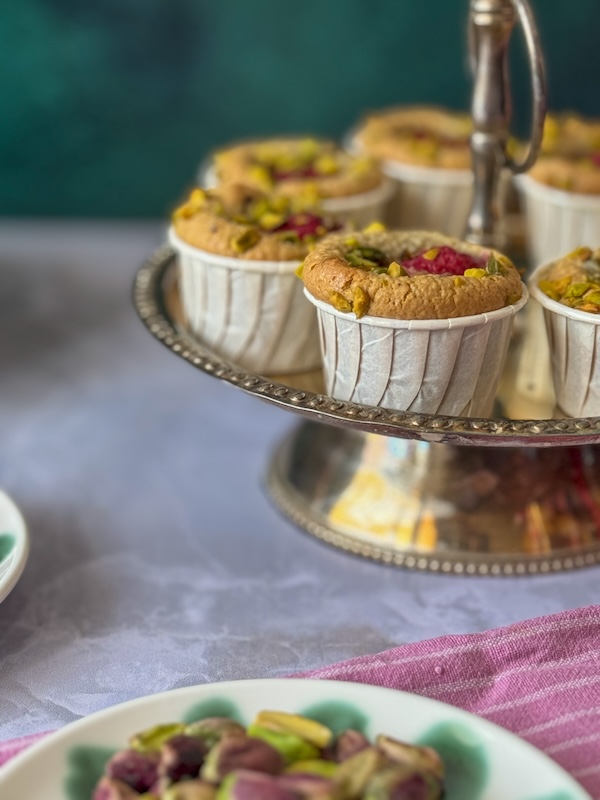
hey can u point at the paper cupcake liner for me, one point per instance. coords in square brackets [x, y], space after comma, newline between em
[556, 221]
[252, 313]
[574, 344]
[449, 366]
[356, 210]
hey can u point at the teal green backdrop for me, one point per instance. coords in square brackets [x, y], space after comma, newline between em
[108, 106]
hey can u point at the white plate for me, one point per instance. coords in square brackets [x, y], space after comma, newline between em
[483, 761]
[14, 545]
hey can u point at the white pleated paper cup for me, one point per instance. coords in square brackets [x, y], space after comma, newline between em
[438, 366]
[252, 313]
[557, 221]
[574, 344]
[355, 210]
[429, 198]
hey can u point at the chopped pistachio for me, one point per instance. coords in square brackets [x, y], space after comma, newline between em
[339, 302]
[300, 270]
[311, 730]
[459, 280]
[352, 241]
[375, 227]
[493, 266]
[270, 220]
[578, 289]
[326, 165]
[592, 297]
[475, 272]
[361, 303]
[582, 253]
[396, 270]
[152, 739]
[245, 240]
[430, 255]
[261, 176]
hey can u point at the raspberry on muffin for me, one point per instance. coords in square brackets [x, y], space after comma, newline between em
[409, 275]
[235, 220]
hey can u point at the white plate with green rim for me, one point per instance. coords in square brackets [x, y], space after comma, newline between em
[14, 545]
[483, 761]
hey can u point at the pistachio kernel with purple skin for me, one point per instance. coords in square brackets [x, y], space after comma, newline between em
[240, 752]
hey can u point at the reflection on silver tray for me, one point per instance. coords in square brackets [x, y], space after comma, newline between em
[156, 300]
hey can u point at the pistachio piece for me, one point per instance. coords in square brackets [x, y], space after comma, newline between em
[240, 752]
[361, 302]
[211, 729]
[190, 790]
[309, 729]
[402, 782]
[248, 785]
[375, 227]
[310, 787]
[412, 755]
[261, 176]
[578, 289]
[474, 272]
[291, 746]
[354, 773]
[352, 241]
[580, 254]
[152, 739]
[396, 270]
[348, 743]
[326, 165]
[592, 297]
[299, 271]
[338, 301]
[271, 220]
[430, 255]
[138, 770]
[313, 766]
[113, 789]
[459, 280]
[181, 756]
[245, 240]
[493, 266]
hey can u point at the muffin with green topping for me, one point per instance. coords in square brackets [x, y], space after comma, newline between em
[568, 290]
[238, 250]
[351, 187]
[561, 192]
[413, 320]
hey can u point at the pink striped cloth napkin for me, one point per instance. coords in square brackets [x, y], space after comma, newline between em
[539, 679]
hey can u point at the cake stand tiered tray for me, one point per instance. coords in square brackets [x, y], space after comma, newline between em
[496, 496]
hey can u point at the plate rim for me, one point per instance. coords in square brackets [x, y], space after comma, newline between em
[20, 552]
[63, 734]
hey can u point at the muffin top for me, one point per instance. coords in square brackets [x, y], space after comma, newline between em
[239, 221]
[316, 168]
[424, 136]
[409, 275]
[570, 158]
[574, 280]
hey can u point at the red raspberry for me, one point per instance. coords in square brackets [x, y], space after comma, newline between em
[446, 261]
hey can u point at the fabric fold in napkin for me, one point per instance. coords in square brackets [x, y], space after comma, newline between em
[539, 679]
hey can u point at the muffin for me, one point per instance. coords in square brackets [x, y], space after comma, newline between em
[425, 150]
[413, 320]
[561, 192]
[569, 291]
[353, 188]
[238, 251]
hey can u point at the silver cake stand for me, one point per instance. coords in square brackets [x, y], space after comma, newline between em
[514, 494]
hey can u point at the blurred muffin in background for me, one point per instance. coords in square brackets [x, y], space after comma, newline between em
[238, 251]
[353, 188]
[561, 192]
[425, 150]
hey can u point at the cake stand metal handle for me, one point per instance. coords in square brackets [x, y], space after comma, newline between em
[490, 28]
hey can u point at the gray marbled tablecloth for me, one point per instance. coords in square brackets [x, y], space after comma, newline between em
[157, 560]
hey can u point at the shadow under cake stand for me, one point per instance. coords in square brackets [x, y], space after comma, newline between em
[497, 496]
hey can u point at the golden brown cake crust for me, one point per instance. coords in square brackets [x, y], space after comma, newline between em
[340, 174]
[223, 221]
[426, 136]
[329, 277]
[570, 157]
